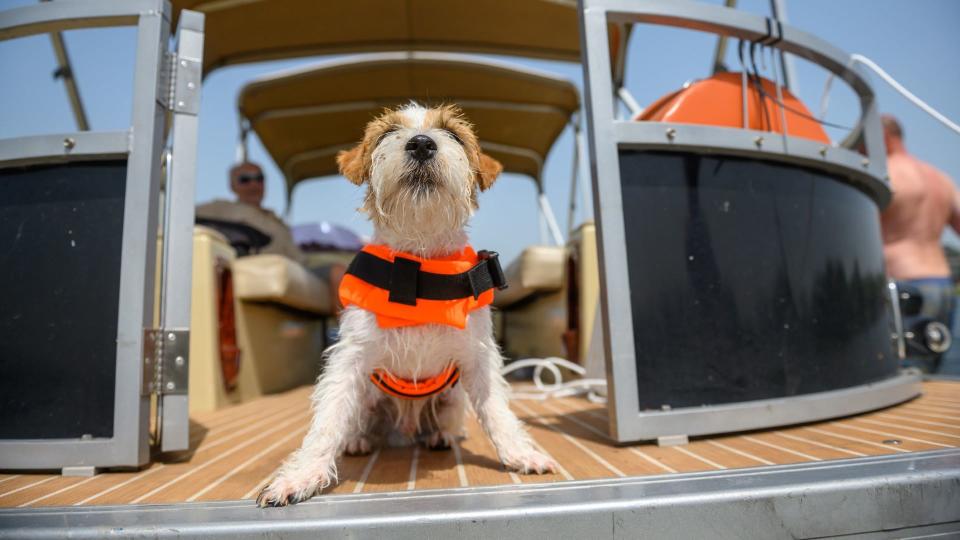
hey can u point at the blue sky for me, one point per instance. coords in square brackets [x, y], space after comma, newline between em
[916, 41]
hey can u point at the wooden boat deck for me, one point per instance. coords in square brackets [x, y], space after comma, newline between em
[235, 451]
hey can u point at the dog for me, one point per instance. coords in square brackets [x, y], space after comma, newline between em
[423, 169]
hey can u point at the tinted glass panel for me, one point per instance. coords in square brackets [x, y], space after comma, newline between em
[60, 237]
[750, 280]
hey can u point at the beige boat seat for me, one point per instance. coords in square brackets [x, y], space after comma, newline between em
[277, 279]
[261, 219]
[538, 269]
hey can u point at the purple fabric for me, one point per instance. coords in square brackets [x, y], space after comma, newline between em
[325, 236]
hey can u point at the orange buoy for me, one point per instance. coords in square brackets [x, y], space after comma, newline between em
[718, 101]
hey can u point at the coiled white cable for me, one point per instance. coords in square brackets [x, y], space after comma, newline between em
[557, 388]
[824, 99]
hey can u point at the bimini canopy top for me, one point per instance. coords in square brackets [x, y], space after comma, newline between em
[304, 117]
[239, 31]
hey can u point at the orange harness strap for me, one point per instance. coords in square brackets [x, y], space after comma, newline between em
[407, 389]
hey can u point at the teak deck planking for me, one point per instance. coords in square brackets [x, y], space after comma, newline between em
[235, 451]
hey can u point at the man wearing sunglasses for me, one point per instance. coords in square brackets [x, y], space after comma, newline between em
[247, 183]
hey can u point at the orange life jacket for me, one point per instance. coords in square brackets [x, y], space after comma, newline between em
[417, 310]
[419, 389]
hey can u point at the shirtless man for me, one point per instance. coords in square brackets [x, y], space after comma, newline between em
[924, 202]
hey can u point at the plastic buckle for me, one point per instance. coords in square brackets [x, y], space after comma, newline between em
[492, 258]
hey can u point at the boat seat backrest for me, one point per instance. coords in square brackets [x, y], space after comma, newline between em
[538, 269]
[277, 279]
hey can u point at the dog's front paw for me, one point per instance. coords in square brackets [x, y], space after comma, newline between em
[531, 462]
[359, 446]
[286, 489]
[439, 440]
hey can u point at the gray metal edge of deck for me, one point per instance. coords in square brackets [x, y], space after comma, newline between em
[876, 497]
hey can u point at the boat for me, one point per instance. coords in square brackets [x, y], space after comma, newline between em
[752, 386]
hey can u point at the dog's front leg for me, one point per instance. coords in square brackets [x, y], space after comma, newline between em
[337, 403]
[452, 406]
[489, 394]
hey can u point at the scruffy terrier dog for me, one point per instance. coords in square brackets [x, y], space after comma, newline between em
[423, 168]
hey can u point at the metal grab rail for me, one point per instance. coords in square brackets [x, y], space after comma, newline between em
[870, 172]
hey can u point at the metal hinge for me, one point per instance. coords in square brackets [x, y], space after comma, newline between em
[166, 361]
[180, 84]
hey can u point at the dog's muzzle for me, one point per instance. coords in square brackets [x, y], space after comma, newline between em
[421, 148]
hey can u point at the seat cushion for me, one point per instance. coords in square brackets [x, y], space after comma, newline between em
[280, 240]
[537, 269]
[275, 278]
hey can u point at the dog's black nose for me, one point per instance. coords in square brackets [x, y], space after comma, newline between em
[421, 148]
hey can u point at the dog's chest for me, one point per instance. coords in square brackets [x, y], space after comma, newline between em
[422, 351]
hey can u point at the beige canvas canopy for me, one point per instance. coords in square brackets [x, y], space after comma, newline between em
[239, 31]
[305, 116]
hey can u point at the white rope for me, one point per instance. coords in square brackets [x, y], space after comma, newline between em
[906, 93]
[557, 388]
[824, 100]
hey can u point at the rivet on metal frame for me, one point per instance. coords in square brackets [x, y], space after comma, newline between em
[758, 140]
[823, 151]
[865, 162]
[69, 143]
[671, 133]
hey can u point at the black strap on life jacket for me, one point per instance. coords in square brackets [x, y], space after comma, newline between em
[406, 282]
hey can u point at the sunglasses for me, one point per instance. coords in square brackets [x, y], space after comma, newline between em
[247, 178]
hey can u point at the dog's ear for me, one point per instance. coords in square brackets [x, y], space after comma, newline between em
[351, 164]
[488, 171]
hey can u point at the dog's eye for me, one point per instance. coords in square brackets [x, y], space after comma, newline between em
[455, 137]
[385, 133]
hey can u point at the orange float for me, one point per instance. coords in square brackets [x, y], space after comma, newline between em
[718, 101]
